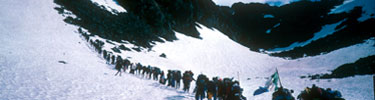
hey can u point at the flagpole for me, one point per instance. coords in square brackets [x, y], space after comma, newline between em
[278, 75]
[238, 74]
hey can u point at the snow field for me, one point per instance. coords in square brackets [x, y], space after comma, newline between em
[217, 55]
[35, 39]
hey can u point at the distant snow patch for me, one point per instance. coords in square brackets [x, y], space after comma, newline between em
[269, 30]
[268, 16]
[277, 25]
[368, 6]
[270, 2]
[110, 5]
[325, 31]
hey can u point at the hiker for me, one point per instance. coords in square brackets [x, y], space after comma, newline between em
[118, 67]
[150, 70]
[177, 78]
[332, 95]
[226, 88]
[220, 89]
[211, 90]
[104, 54]
[113, 59]
[132, 68]
[316, 93]
[108, 58]
[156, 73]
[236, 92]
[169, 77]
[304, 95]
[126, 64]
[200, 87]
[162, 78]
[144, 68]
[187, 78]
[138, 69]
[282, 94]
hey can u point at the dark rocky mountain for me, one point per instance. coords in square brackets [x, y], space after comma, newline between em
[363, 66]
[254, 25]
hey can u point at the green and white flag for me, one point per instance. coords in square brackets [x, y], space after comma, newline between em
[275, 79]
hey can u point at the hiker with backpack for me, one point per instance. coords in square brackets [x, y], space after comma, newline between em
[211, 90]
[162, 78]
[126, 64]
[144, 71]
[156, 73]
[169, 78]
[226, 88]
[133, 67]
[236, 92]
[317, 93]
[220, 89]
[332, 95]
[186, 79]
[118, 67]
[150, 70]
[201, 87]
[138, 69]
[177, 78]
[282, 94]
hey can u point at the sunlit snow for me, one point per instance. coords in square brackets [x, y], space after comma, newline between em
[110, 5]
[368, 6]
[325, 31]
[271, 2]
[36, 39]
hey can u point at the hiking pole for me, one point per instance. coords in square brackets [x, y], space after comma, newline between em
[278, 75]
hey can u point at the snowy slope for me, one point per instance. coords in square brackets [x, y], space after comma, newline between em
[35, 38]
[217, 55]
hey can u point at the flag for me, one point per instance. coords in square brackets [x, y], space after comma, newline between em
[260, 90]
[275, 79]
[270, 83]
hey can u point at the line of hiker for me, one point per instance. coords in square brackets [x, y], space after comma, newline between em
[317, 93]
[215, 89]
[313, 93]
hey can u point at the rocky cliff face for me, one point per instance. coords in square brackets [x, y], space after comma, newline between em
[254, 25]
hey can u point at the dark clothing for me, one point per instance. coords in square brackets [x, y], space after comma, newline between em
[118, 67]
[282, 94]
[212, 88]
[201, 87]
[187, 78]
[177, 78]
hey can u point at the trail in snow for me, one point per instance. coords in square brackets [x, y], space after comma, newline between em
[35, 38]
